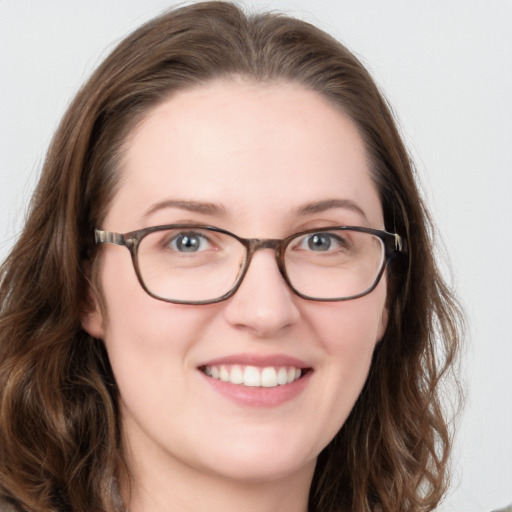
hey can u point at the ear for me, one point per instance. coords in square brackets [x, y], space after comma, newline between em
[93, 317]
[383, 324]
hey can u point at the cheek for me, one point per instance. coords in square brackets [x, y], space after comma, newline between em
[149, 344]
[349, 343]
[144, 337]
[348, 333]
[352, 326]
[132, 314]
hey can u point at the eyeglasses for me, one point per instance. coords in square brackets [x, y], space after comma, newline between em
[192, 264]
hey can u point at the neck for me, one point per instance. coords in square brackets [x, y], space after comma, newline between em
[166, 493]
[173, 486]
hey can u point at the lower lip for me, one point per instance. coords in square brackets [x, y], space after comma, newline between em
[248, 396]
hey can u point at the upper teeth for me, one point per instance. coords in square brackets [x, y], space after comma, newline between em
[254, 376]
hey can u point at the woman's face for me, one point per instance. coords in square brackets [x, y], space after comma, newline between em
[261, 161]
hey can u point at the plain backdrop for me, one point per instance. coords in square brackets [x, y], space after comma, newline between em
[446, 67]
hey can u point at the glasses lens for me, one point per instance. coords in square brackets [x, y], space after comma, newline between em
[334, 264]
[190, 265]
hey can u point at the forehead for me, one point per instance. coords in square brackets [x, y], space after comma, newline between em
[257, 149]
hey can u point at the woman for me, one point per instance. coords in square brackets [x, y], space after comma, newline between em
[273, 333]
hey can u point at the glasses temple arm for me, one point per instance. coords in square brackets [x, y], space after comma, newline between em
[107, 237]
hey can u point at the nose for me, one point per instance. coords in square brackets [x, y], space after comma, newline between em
[263, 305]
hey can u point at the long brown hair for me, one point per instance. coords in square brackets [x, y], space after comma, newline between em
[60, 446]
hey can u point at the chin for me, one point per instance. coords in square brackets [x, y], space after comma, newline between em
[257, 462]
[270, 470]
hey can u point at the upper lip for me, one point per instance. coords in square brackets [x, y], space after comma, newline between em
[259, 360]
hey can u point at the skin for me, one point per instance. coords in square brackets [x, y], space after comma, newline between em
[260, 152]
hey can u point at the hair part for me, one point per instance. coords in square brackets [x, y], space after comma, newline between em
[60, 441]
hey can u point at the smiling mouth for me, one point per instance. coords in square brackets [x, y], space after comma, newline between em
[254, 376]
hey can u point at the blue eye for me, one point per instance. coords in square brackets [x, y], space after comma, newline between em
[323, 242]
[189, 242]
[319, 241]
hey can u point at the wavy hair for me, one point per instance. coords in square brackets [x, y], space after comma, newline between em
[60, 443]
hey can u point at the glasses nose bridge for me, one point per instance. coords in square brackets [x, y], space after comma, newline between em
[256, 244]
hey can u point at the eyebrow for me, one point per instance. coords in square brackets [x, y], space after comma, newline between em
[218, 210]
[329, 204]
[190, 206]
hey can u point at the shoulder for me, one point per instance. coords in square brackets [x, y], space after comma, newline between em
[506, 509]
[7, 506]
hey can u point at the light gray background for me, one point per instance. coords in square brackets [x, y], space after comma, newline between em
[446, 67]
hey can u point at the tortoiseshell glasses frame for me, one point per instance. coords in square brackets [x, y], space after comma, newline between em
[324, 264]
